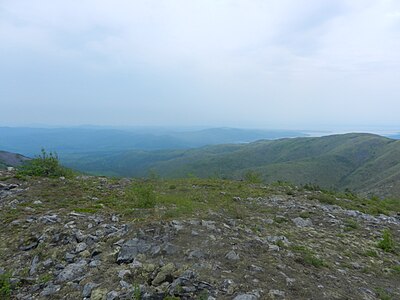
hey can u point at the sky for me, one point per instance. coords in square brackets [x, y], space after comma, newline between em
[289, 64]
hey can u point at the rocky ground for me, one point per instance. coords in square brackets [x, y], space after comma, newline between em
[83, 238]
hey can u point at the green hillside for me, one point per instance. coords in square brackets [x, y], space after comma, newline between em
[362, 162]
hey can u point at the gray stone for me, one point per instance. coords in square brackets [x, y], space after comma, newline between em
[246, 297]
[34, 264]
[232, 255]
[131, 249]
[170, 249]
[69, 257]
[87, 289]
[95, 263]
[123, 273]
[113, 295]
[30, 246]
[273, 248]
[210, 225]
[47, 263]
[197, 254]
[72, 271]
[276, 294]
[300, 222]
[50, 289]
[49, 219]
[80, 247]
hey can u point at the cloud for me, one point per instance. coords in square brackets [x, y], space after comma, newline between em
[305, 54]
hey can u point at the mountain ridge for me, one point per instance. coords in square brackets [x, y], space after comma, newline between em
[362, 162]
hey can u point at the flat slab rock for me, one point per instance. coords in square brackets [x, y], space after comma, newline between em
[130, 249]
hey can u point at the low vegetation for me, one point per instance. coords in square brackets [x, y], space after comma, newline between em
[387, 242]
[5, 286]
[44, 165]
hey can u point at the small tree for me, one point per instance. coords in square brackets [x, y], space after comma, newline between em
[44, 165]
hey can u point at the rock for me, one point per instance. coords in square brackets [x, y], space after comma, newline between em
[85, 254]
[170, 249]
[95, 263]
[227, 286]
[34, 264]
[276, 294]
[276, 239]
[300, 222]
[80, 247]
[197, 254]
[79, 236]
[114, 218]
[246, 297]
[30, 246]
[72, 271]
[273, 248]
[37, 202]
[48, 263]
[49, 219]
[99, 294]
[113, 295]
[164, 274]
[131, 249]
[69, 257]
[210, 225]
[87, 289]
[50, 289]
[232, 255]
[123, 273]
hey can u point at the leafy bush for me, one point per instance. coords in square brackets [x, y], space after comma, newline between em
[387, 242]
[252, 177]
[323, 198]
[5, 286]
[142, 195]
[44, 165]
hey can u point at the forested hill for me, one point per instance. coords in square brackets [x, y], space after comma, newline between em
[360, 162]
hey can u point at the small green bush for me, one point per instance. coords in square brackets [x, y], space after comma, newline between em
[324, 198]
[141, 195]
[44, 165]
[252, 177]
[5, 286]
[387, 242]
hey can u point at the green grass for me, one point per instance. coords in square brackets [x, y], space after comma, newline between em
[5, 286]
[351, 225]
[308, 257]
[387, 242]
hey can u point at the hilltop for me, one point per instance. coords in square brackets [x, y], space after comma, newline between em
[364, 163]
[107, 238]
[8, 159]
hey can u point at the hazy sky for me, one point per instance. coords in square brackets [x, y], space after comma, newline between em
[253, 63]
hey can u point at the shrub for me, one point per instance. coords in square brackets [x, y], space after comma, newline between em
[323, 198]
[387, 242]
[45, 165]
[142, 195]
[5, 286]
[252, 177]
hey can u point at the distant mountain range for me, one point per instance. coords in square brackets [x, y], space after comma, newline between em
[29, 141]
[365, 163]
